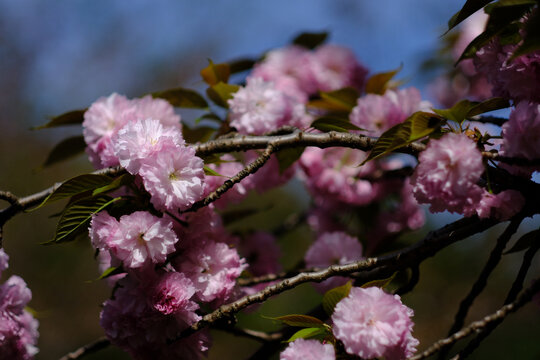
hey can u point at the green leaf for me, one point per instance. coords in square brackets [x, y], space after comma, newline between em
[183, 98]
[74, 117]
[378, 83]
[221, 92]
[299, 320]
[113, 270]
[470, 7]
[310, 333]
[335, 295]
[77, 185]
[120, 181]
[328, 123]
[487, 106]
[382, 283]
[466, 109]
[76, 217]
[287, 157]
[417, 126]
[240, 65]
[65, 149]
[211, 172]
[525, 242]
[345, 98]
[213, 74]
[209, 116]
[198, 134]
[310, 40]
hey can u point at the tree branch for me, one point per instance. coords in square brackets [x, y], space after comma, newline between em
[481, 325]
[99, 344]
[372, 268]
[481, 282]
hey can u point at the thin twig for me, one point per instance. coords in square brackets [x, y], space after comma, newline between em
[481, 282]
[99, 344]
[481, 325]
[253, 334]
[228, 184]
[9, 197]
[371, 268]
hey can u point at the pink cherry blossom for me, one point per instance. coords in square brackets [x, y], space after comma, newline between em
[153, 108]
[18, 336]
[140, 139]
[103, 229]
[228, 168]
[372, 323]
[521, 133]
[141, 239]
[292, 62]
[336, 67]
[4, 258]
[259, 107]
[501, 206]
[302, 349]
[269, 176]
[213, 269]
[378, 113]
[447, 173]
[14, 295]
[329, 249]
[174, 179]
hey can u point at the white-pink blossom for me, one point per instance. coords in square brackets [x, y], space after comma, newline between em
[139, 139]
[501, 206]
[447, 173]
[378, 113]
[302, 349]
[142, 238]
[152, 108]
[174, 178]
[329, 249]
[372, 323]
[336, 67]
[213, 269]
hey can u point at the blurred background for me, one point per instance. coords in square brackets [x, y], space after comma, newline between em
[63, 55]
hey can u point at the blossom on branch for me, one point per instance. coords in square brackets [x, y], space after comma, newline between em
[302, 349]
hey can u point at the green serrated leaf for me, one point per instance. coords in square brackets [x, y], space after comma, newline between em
[66, 149]
[310, 333]
[487, 106]
[470, 7]
[327, 124]
[287, 157]
[209, 116]
[221, 92]
[299, 320]
[525, 242]
[345, 98]
[458, 112]
[310, 40]
[417, 126]
[198, 134]
[382, 283]
[335, 295]
[183, 98]
[240, 65]
[76, 185]
[120, 181]
[213, 74]
[76, 217]
[211, 172]
[74, 117]
[378, 83]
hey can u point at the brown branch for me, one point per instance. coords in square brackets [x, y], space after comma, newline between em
[99, 344]
[228, 184]
[481, 325]
[9, 197]
[372, 268]
[481, 282]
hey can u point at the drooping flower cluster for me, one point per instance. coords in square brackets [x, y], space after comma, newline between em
[18, 328]
[447, 178]
[372, 323]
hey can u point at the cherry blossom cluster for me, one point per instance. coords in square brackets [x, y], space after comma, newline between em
[370, 323]
[18, 328]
